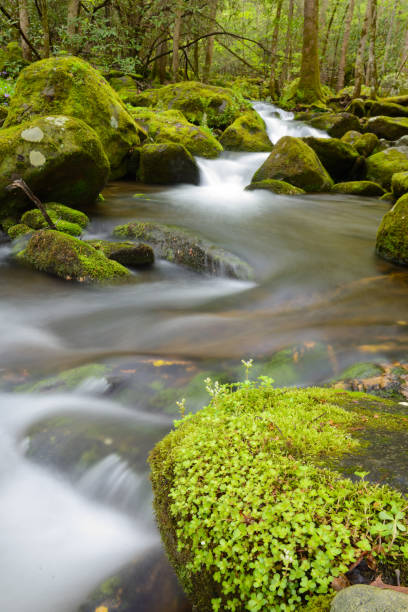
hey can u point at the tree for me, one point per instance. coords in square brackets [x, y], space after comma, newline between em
[344, 47]
[72, 22]
[24, 27]
[310, 89]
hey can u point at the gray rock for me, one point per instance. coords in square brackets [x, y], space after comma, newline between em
[364, 598]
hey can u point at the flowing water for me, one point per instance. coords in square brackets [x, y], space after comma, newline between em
[75, 499]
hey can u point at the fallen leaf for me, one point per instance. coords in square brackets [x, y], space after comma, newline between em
[340, 583]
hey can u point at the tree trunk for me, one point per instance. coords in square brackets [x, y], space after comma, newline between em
[197, 60]
[24, 26]
[72, 23]
[323, 66]
[162, 62]
[176, 44]
[288, 47]
[274, 48]
[344, 48]
[209, 51]
[45, 27]
[389, 37]
[309, 86]
[359, 67]
[372, 62]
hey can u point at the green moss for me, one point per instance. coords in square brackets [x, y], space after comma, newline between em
[126, 253]
[390, 128]
[247, 133]
[18, 230]
[172, 126]
[360, 370]
[399, 184]
[381, 166]
[69, 258]
[249, 518]
[62, 217]
[356, 107]
[339, 158]
[365, 144]
[392, 235]
[293, 96]
[295, 162]
[359, 188]
[70, 86]
[279, 187]
[336, 125]
[388, 109]
[167, 164]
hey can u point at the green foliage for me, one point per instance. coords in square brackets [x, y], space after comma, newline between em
[6, 90]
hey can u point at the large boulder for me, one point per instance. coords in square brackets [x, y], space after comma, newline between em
[70, 86]
[340, 159]
[365, 144]
[60, 158]
[172, 126]
[336, 124]
[399, 184]
[247, 133]
[167, 164]
[359, 188]
[293, 161]
[218, 107]
[387, 109]
[392, 235]
[381, 166]
[365, 598]
[278, 187]
[402, 100]
[124, 85]
[390, 128]
[183, 247]
[69, 258]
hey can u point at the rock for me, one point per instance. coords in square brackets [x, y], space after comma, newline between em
[381, 166]
[356, 107]
[278, 187]
[247, 133]
[387, 109]
[351, 137]
[365, 144]
[218, 107]
[364, 598]
[126, 253]
[392, 235]
[167, 164]
[183, 247]
[387, 380]
[125, 86]
[20, 229]
[336, 124]
[402, 100]
[359, 188]
[70, 86]
[60, 158]
[401, 142]
[172, 126]
[339, 158]
[69, 258]
[399, 184]
[35, 219]
[390, 128]
[295, 162]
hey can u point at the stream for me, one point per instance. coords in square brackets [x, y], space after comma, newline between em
[318, 292]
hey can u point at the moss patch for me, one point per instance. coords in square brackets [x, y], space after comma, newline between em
[399, 184]
[390, 128]
[381, 166]
[359, 188]
[247, 133]
[392, 235]
[336, 125]
[339, 158]
[278, 187]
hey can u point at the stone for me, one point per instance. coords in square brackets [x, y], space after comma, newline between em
[399, 184]
[390, 128]
[387, 109]
[365, 598]
[392, 235]
[356, 107]
[381, 166]
[336, 124]
[339, 158]
[278, 187]
[167, 164]
[35, 219]
[126, 253]
[247, 133]
[359, 188]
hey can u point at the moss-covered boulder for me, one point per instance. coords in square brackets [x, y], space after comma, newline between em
[390, 128]
[399, 184]
[69, 258]
[336, 124]
[294, 162]
[359, 188]
[172, 126]
[167, 164]
[392, 235]
[247, 133]
[340, 159]
[20, 229]
[387, 109]
[356, 107]
[278, 187]
[125, 86]
[402, 100]
[184, 247]
[365, 144]
[35, 219]
[126, 253]
[70, 86]
[60, 158]
[250, 518]
[215, 106]
[366, 598]
[381, 166]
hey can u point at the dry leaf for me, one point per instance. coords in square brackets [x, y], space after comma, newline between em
[340, 583]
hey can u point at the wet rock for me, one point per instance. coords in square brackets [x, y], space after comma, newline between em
[126, 253]
[294, 162]
[172, 126]
[387, 109]
[390, 128]
[35, 219]
[167, 164]
[366, 598]
[247, 133]
[339, 158]
[20, 229]
[399, 184]
[183, 247]
[68, 258]
[365, 144]
[70, 86]
[359, 188]
[60, 158]
[381, 166]
[356, 107]
[392, 235]
[278, 187]
[336, 125]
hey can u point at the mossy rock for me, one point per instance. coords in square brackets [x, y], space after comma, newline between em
[125, 86]
[401, 100]
[60, 158]
[294, 162]
[250, 517]
[20, 229]
[392, 235]
[365, 144]
[365, 598]
[387, 109]
[356, 107]
[278, 187]
[167, 164]
[336, 124]
[216, 107]
[360, 370]
[69, 258]
[390, 128]
[126, 253]
[34, 218]
[399, 184]
[340, 159]
[70, 86]
[386, 380]
[383, 165]
[359, 188]
[172, 126]
[247, 133]
[183, 247]
[387, 197]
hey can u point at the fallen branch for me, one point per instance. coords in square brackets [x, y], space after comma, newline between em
[20, 184]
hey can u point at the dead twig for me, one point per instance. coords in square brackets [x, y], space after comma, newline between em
[20, 184]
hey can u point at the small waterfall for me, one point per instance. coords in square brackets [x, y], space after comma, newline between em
[281, 123]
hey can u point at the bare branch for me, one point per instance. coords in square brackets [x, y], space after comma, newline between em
[20, 184]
